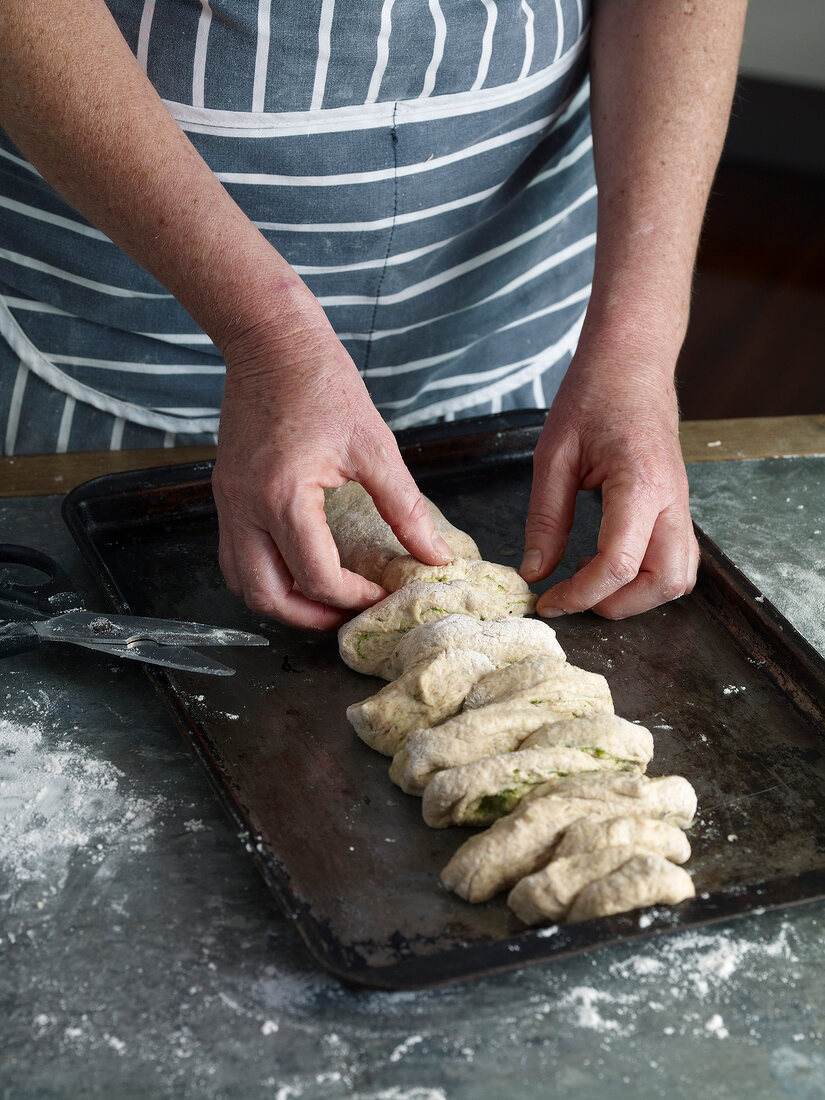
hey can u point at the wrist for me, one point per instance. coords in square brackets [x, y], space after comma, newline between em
[633, 337]
[273, 321]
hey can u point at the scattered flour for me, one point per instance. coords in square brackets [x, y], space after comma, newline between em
[406, 1046]
[693, 968]
[716, 1026]
[645, 964]
[418, 1092]
[582, 1000]
[550, 930]
[56, 799]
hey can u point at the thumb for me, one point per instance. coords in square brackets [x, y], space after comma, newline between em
[403, 506]
[549, 518]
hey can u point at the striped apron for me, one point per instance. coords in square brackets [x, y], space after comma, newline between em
[425, 166]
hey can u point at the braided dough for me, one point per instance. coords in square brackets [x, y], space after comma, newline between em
[480, 792]
[488, 722]
[367, 642]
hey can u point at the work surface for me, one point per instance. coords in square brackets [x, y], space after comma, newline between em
[141, 955]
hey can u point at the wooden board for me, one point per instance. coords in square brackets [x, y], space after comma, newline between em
[702, 441]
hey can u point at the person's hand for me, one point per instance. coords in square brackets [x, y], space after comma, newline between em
[296, 418]
[616, 430]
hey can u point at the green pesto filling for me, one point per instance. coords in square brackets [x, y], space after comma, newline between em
[619, 763]
[488, 577]
[393, 635]
[499, 804]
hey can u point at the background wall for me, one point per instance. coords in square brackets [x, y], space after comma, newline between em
[785, 41]
[756, 341]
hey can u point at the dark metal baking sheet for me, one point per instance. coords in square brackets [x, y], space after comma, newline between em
[735, 698]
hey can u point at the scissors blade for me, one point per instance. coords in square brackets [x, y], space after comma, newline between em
[167, 656]
[104, 630]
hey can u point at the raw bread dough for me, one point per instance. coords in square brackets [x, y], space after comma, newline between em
[481, 792]
[514, 847]
[672, 793]
[606, 732]
[547, 895]
[497, 727]
[502, 640]
[471, 735]
[590, 849]
[425, 695]
[523, 841]
[645, 879]
[366, 643]
[463, 739]
[540, 677]
[366, 543]
[483, 574]
[653, 834]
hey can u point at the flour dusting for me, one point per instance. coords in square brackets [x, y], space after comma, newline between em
[582, 1003]
[698, 966]
[57, 800]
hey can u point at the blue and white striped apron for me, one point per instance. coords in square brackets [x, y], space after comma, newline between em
[425, 166]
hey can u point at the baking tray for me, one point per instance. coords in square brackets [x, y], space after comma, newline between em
[734, 696]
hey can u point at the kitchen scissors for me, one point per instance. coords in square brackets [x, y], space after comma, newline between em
[54, 611]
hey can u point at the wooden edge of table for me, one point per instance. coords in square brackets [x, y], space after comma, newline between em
[702, 441]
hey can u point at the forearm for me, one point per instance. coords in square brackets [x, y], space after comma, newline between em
[663, 73]
[76, 102]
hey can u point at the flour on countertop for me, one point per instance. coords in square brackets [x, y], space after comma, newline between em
[716, 1025]
[56, 800]
[582, 1003]
[694, 965]
[405, 1046]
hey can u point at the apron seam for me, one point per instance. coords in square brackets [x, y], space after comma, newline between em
[390, 237]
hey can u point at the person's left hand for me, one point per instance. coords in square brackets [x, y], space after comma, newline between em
[612, 426]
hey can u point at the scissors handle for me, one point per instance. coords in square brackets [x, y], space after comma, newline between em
[17, 638]
[50, 597]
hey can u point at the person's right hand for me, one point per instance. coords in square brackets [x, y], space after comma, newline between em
[297, 418]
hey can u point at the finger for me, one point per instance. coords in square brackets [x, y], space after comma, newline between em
[268, 587]
[311, 556]
[666, 573]
[226, 549]
[226, 560]
[627, 523]
[549, 517]
[695, 558]
[402, 505]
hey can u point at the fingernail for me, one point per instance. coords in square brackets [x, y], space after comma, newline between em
[376, 593]
[441, 547]
[531, 562]
[550, 612]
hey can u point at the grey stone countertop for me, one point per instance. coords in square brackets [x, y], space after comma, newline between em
[141, 955]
